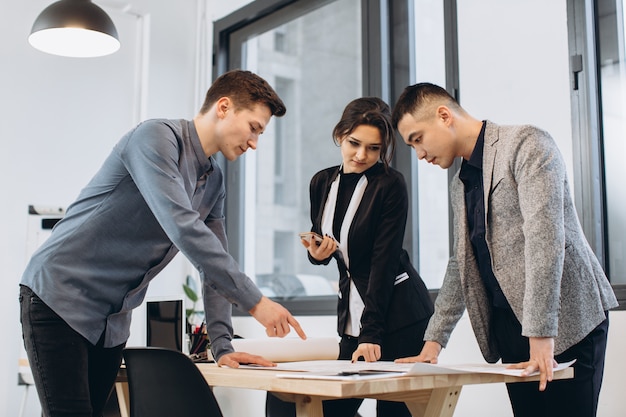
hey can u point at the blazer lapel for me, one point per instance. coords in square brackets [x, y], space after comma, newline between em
[489, 157]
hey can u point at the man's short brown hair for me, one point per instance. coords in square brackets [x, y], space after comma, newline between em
[245, 89]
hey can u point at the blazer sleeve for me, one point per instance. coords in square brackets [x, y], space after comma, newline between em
[449, 304]
[388, 237]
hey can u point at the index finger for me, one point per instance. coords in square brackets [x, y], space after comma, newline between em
[547, 373]
[296, 326]
[543, 378]
[529, 368]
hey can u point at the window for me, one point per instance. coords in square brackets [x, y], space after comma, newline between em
[430, 195]
[283, 164]
[612, 74]
[598, 91]
[280, 40]
[297, 51]
[387, 45]
[319, 55]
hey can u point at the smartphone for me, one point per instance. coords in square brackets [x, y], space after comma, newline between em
[310, 237]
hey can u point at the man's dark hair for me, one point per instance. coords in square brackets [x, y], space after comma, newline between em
[245, 89]
[419, 99]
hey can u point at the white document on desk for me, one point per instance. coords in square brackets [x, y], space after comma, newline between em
[489, 368]
[335, 366]
[346, 370]
[341, 369]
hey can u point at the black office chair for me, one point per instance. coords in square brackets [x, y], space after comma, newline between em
[166, 383]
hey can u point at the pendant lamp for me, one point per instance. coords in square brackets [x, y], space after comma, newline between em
[74, 28]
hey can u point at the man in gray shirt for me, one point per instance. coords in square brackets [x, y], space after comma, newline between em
[159, 192]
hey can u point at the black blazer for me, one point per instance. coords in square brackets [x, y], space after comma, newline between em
[376, 255]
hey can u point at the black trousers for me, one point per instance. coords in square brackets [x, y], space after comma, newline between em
[403, 343]
[73, 377]
[577, 397]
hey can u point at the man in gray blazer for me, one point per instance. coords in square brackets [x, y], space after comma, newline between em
[534, 291]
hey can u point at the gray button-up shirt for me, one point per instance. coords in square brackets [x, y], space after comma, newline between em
[156, 194]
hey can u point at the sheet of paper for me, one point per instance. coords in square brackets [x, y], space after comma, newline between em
[346, 370]
[335, 366]
[341, 369]
[336, 376]
[489, 368]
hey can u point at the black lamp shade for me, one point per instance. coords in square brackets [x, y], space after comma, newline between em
[76, 28]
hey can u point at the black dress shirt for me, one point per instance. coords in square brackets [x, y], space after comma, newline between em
[472, 177]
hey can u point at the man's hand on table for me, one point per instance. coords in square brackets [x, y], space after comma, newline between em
[234, 359]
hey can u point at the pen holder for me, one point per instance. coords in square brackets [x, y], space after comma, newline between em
[198, 343]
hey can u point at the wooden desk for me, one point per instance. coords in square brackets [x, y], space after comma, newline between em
[425, 395]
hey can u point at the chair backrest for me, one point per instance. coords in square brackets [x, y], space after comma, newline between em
[166, 383]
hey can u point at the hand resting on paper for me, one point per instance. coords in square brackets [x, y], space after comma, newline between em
[234, 359]
[541, 360]
[368, 351]
[429, 354]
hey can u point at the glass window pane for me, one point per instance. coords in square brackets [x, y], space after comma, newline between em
[316, 75]
[513, 65]
[432, 181]
[611, 17]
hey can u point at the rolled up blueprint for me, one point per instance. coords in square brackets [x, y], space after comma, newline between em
[290, 349]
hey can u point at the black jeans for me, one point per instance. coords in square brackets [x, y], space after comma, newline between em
[405, 342]
[577, 397]
[72, 376]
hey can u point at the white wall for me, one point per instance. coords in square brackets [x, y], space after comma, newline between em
[61, 116]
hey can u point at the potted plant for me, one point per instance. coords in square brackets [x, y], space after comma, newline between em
[196, 328]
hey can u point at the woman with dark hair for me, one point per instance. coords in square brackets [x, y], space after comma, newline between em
[359, 209]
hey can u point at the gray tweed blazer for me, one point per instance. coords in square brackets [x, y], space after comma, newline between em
[540, 256]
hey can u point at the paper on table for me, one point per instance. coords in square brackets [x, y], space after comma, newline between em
[345, 370]
[490, 368]
[290, 349]
[337, 366]
[342, 369]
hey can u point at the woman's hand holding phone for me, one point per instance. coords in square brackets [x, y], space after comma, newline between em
[320, 247]
[310, 237]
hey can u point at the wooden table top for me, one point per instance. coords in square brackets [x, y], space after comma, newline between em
[267, 380]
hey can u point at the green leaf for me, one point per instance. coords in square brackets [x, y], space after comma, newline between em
[190, 293]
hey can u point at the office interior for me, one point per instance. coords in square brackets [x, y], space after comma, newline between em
[557, 64]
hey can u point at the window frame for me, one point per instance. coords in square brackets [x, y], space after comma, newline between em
[388, 68]
[385, 52]
[589, 184]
